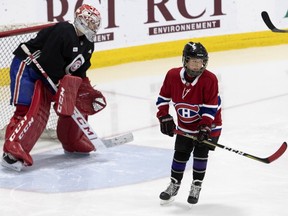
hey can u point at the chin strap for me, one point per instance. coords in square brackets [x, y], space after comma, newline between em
[193, 73]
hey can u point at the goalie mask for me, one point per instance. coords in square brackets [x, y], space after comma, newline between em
[87, 21]
[194, 59]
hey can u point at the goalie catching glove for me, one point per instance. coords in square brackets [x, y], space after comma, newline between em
[75, 91]
[89, 100]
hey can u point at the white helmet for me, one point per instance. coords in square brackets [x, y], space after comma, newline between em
[87, 21]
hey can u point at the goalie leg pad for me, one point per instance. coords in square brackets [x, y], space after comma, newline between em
[65, 98]
[19, 113]
[72, 137]
[16, 150]
[22, 135]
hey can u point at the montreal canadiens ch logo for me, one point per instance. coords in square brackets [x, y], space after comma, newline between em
[76, 65]
[187, 113]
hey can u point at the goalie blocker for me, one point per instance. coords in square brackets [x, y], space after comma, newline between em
[24, 130]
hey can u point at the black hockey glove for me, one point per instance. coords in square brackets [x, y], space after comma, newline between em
[167, 125]
[204, 132]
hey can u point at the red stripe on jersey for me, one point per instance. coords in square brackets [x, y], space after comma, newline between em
[18, 82]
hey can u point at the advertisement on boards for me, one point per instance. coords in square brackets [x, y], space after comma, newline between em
[127, 23]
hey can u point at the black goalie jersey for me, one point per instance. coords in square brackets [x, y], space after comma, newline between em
[59, 51]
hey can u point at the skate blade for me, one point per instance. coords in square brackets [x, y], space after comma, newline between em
[15, 167]
[167, 202]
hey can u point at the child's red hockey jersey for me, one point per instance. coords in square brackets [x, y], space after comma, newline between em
[195, 103]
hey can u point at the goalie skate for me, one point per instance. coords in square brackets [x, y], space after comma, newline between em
[8, 161]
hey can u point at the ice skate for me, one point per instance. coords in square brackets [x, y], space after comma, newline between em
[194, 192]
[167, 196]
[8, 161]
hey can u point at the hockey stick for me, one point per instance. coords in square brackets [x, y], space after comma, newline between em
[79, 118]
[266, 160]
[269, 24]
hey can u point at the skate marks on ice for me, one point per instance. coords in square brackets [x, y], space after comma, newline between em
[56, 172]
[179, 206]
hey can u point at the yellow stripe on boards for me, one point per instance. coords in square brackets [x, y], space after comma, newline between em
[174, 48]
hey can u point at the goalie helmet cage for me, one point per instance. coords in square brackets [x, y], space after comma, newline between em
[10, 37]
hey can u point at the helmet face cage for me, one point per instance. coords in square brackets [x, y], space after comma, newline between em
[194, 50]
[87, 21]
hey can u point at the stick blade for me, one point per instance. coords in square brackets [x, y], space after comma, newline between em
[118, 140]
[269, 24]
[267, 20]
[278, 153]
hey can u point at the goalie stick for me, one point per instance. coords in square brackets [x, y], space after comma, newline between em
[266, 160]
[269, 24]
[100, 144]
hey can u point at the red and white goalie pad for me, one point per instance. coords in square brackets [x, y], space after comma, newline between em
[65, 98]
[23, 132]
[89, 100]
[72, 137]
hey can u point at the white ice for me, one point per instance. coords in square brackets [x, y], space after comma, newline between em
[254, 88]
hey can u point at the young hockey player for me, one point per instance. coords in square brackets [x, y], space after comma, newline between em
[63, 51]
[193, 91]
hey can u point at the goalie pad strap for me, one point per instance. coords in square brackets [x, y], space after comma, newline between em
[65, 98]
[23, 135]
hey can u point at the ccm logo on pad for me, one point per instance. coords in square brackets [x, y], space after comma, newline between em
[61, 99]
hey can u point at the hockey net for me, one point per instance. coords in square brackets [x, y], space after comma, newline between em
[10, 37]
